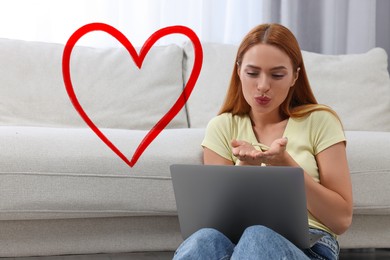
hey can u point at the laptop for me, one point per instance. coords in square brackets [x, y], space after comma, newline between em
[232, 198]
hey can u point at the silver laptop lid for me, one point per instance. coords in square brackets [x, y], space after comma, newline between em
[232, 198]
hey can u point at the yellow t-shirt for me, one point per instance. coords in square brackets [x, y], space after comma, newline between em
[307, 137]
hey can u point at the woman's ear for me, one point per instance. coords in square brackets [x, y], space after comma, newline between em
[238, 68]
[296, 76]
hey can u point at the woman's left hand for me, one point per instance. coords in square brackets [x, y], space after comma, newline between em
[249, 155]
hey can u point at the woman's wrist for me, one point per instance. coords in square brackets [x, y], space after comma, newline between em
[246, 163]
[239, 163]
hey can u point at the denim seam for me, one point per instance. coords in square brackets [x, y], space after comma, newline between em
[332, 246]
[317, 256]
[327, 241]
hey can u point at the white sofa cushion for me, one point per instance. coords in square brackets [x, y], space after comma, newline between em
[357, 86]
[210, 89]
[112, 90]
[54, 173]
[368, 155]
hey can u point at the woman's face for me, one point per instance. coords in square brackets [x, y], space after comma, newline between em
[266, 75]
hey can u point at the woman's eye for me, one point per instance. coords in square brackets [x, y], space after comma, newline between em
[278, 76]
[252, 74]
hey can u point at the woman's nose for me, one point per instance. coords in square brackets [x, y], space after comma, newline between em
[263, 84]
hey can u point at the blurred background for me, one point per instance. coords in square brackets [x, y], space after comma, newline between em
[323, 26]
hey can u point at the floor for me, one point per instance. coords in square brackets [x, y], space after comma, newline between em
[366, 254]
[357, 254]
[122, 256]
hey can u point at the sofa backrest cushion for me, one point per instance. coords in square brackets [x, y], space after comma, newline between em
[356, 86]
[112, 90]
[210, 90]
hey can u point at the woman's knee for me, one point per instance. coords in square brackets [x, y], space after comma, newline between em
[259, 232]
[209, 233]
[208, 238]
[205, 242]
[264, 243]
[262, 237]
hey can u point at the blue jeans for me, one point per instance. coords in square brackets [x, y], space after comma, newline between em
[257, 242]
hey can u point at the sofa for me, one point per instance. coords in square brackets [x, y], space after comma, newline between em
[63, 191]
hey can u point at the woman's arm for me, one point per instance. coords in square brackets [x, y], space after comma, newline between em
[330, 201]
[211, 157]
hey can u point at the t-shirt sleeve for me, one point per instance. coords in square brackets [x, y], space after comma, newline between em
[218, 136]
[327, 131]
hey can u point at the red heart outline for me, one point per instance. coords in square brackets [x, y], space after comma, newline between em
[138, 60]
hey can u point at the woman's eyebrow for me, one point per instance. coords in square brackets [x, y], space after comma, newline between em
[279, 68]
[252, 67]
[258, 68]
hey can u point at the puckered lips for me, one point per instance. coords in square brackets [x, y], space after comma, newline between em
[262, 100]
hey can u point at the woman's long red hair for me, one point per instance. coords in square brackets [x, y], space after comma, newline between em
[300, 100]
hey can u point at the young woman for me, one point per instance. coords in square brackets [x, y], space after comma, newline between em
[271, 118]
